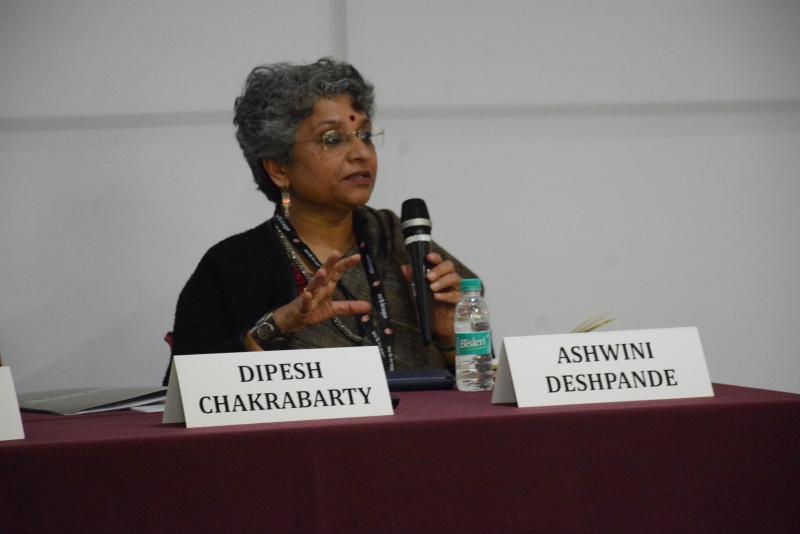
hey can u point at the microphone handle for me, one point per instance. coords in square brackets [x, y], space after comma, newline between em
[419, 267]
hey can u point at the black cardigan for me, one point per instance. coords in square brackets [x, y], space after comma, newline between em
[235, 283]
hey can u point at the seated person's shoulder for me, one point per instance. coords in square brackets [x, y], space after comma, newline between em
[386, 219]
[247, 243]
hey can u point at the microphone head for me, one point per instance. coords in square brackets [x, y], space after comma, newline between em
[414, 217]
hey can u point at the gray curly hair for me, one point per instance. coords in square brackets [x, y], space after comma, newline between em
[277, 98]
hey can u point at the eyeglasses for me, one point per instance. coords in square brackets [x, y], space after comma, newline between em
[339, 142]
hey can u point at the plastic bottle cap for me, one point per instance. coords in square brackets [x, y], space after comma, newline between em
[470, 285]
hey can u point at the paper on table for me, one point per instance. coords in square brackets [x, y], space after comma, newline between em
[149, 408]
[89, 400]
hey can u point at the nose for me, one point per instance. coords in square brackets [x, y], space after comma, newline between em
[358, 149]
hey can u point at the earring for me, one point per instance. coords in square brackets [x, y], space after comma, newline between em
[286, 201]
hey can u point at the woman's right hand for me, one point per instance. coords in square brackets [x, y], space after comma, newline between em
[315, 305]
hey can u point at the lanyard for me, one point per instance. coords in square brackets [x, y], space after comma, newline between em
[383, 336]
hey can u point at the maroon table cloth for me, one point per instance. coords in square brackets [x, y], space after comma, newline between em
[445, 462]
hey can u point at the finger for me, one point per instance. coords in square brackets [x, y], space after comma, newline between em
[444, 268]
[330, 264]
[332, 259]
[449, 281]
[343, 265]
[317, 281]
[350, 307]
[295, 313]
[448, 297]
[305, 299]
[434, 258]
[406, 270]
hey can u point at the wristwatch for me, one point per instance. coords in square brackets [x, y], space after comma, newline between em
[267, 333]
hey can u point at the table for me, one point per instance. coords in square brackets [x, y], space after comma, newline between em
[445, 462]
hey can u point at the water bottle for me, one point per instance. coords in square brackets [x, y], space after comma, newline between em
[473, 339]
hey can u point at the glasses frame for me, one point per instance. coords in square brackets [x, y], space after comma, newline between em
[375, 134]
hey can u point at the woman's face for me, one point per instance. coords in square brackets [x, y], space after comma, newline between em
[336, 180]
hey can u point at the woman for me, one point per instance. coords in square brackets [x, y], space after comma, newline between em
[321, 272]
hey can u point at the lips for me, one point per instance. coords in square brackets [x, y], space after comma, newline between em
[359, 178]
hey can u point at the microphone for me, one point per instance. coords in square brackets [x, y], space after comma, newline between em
[416, 225]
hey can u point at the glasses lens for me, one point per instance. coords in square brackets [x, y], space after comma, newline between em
[376, 137]
[334, 140]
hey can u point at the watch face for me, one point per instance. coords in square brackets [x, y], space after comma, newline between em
[265, 331]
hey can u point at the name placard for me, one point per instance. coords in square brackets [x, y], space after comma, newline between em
[287, 385]
[548, 370]
[10, 420]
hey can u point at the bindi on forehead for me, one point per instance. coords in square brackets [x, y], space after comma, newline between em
[352, 118]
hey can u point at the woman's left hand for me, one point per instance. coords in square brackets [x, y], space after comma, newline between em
[445, 285]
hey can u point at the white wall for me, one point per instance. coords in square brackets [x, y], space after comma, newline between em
[632, 158]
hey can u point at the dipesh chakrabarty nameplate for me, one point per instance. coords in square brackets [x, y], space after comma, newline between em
[273, 386]
[625, 365]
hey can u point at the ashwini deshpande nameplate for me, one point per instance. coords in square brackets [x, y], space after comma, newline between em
[626, 365]
[274, 386]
